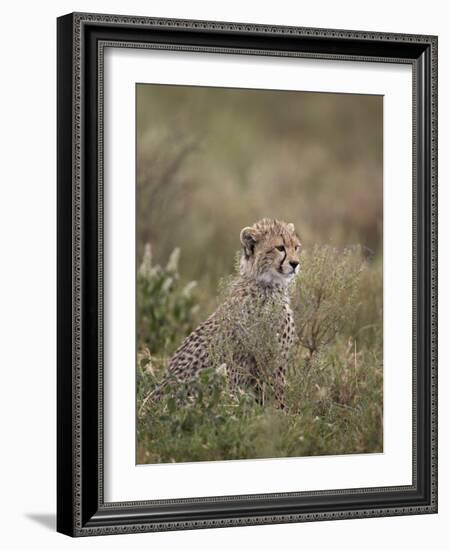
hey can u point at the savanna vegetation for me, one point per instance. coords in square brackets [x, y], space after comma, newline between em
[211, 161]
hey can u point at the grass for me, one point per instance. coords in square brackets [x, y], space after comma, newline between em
[335, 376]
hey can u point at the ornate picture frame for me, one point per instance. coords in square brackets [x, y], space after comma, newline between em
[81, 506]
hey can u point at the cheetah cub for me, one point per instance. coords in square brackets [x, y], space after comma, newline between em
[251, 334]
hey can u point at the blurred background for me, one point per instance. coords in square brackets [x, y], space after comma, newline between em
[213, 160]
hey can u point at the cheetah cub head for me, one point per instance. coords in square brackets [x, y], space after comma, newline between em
[270, 252]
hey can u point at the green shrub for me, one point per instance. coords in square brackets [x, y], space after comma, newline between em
[324, 300]
[196, 420]
[165, 308]
[338, 394]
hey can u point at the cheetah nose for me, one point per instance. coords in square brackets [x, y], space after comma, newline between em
[294, 264]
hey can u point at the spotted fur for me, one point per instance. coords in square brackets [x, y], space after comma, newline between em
[269, 261]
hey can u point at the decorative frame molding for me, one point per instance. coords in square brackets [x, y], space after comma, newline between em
[81, 41]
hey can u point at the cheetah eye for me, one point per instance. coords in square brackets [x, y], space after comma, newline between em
[281, 248]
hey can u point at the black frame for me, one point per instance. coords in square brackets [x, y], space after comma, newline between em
[81, 510]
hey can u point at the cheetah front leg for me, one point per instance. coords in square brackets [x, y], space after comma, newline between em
[279, 388]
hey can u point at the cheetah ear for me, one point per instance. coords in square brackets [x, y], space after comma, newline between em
[291, 227]
[248, 240]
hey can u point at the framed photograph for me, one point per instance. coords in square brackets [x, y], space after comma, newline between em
[247, 278]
